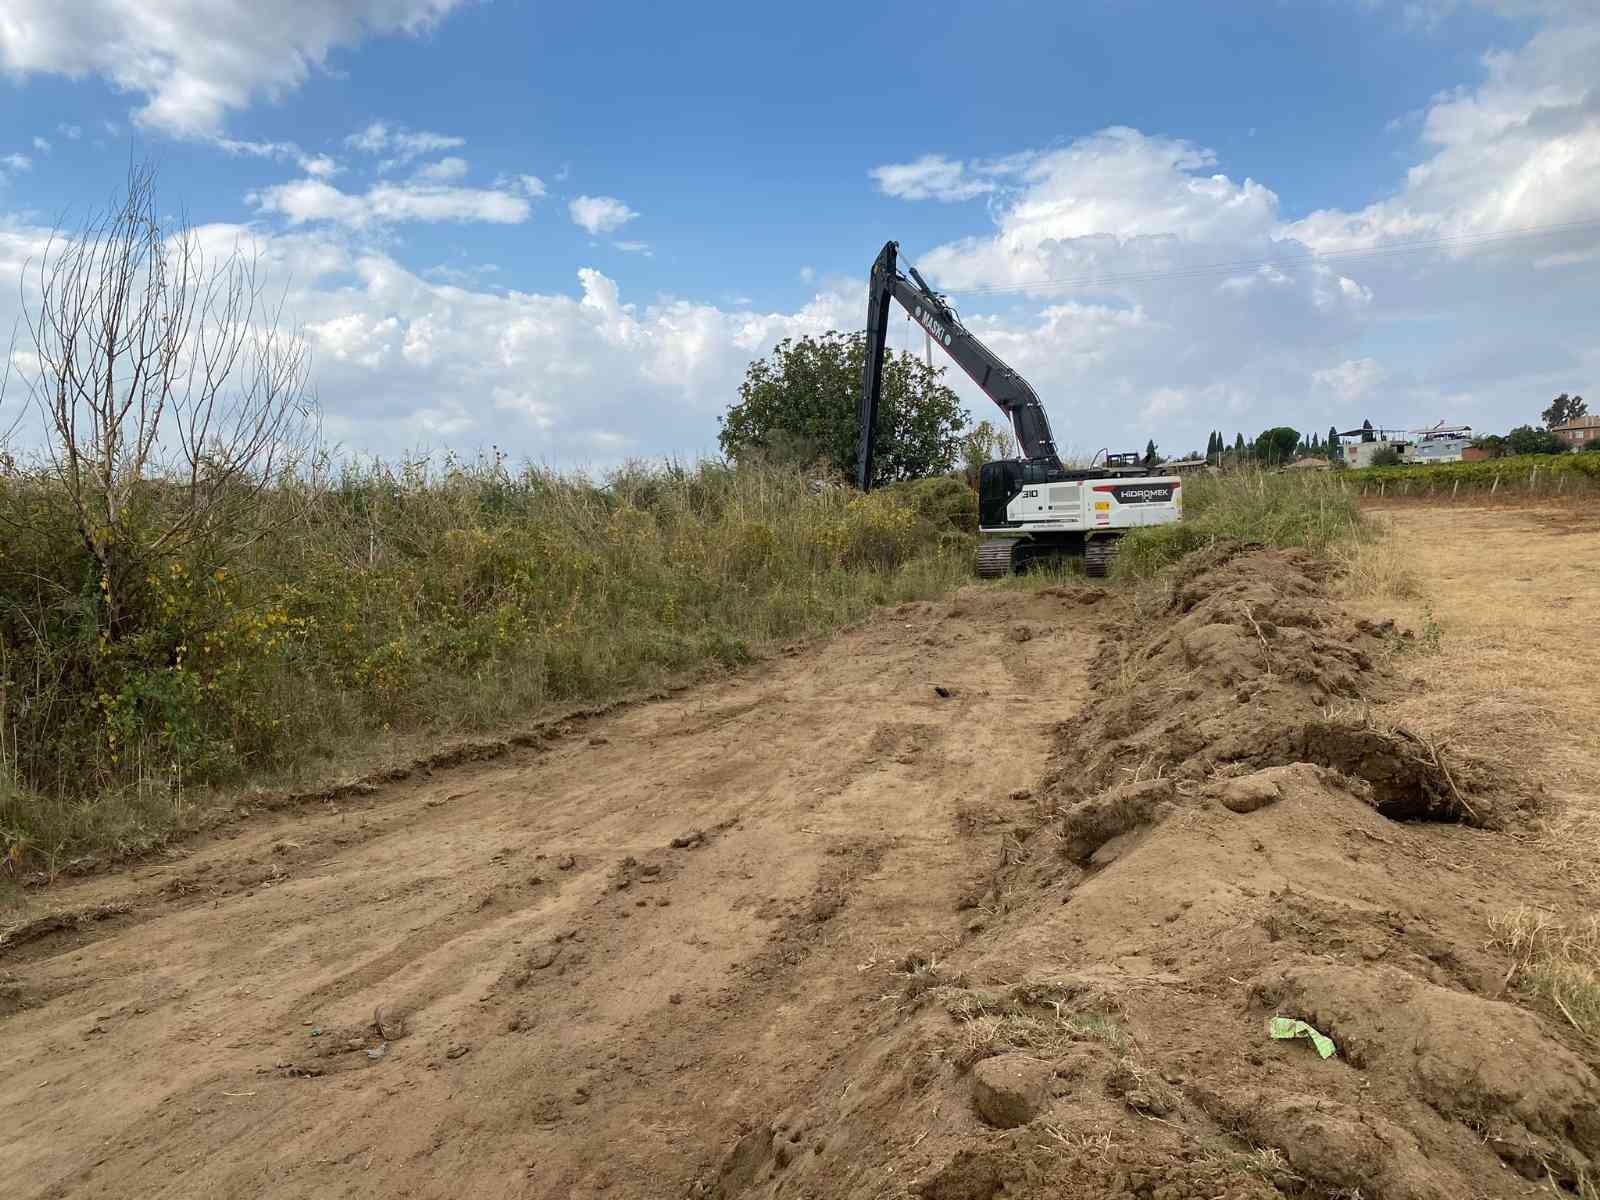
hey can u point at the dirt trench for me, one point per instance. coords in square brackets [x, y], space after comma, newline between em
[1228, 832]
[583, 969]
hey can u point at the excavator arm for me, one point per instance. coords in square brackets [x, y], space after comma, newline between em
[999, 382]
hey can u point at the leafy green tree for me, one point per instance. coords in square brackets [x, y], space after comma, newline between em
[1211, 445]
[1525, 439]
[1367, 435]
[1564, 408]
[1238, 444]
[799, 404]
[1387, 457]
[1492, 443]
[984, 443]
[1335, 452]
[1277, 445]
[1150, 458]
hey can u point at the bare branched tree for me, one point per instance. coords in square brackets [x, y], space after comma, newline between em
[171, 392]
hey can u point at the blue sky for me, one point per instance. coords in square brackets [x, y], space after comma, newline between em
[565, 230]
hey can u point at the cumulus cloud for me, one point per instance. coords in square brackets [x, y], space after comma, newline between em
[1352, 379]
[308, 200]
[1146, 288]
[17, 162]
[931, 177]
[42, 145]
[443, 171]
[530, 186]
[194, 61]
[634, 248]
[600, 214]
[1520, 151]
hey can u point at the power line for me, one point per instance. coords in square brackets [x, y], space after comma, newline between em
[1355, 255]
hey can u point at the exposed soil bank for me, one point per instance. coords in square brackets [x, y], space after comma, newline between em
[1227, 834]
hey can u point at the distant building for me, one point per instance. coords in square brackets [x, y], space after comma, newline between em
[1440, 444]
[1361, 454]
[1474, 454]
[1578, 433]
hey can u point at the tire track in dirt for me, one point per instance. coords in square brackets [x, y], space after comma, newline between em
[572, 1004]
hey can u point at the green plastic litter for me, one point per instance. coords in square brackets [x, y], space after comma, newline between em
[1288, 1027]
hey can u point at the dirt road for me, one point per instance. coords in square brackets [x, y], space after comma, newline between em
[585, 969]
[991, 897]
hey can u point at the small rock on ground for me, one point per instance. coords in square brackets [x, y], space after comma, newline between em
[1010, 1089]
[1248, 793]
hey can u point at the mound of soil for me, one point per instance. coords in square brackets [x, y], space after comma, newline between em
[1226, 836]
[1248, 666]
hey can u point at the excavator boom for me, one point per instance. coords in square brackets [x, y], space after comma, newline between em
[998, 381]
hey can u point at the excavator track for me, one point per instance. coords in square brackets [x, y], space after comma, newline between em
[995, 557]
[1097, 555]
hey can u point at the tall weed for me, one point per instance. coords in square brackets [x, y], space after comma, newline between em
[413, 598]
[1277, 508]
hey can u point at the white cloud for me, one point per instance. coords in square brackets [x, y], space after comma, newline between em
[319, 165]
[443, 171]
[194, 61]
[307, 200]
[531, 185]
[570, 377]
[71, 132]
[933, 177]
[1352, 379]
[808, 274]
[17, 162]
[1149, 341]
[1520, 151]
[600, 214]
[42, 145]
[401, 145]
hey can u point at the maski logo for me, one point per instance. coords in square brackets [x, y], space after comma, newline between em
[934, 326]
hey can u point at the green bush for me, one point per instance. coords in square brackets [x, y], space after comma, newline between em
[414, 599]
[944, 500]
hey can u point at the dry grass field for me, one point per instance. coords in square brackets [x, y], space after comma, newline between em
[1504, 600]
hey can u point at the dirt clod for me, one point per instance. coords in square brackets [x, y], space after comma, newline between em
[1010, 1089]
[1249, 793]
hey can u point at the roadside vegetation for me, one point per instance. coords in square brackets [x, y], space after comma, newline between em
[392, 600]
[195, 594]
[1538, 473]
[1276, 508]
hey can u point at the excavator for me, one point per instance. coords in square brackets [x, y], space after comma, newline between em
[1030, 508]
